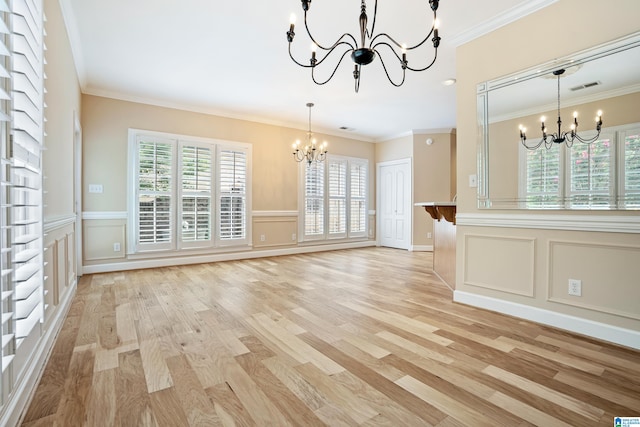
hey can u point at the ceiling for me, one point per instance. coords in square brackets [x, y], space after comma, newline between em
[230, 58]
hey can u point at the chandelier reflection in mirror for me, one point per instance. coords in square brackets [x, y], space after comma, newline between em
[568, 137]
[311, 152]
[371, 44]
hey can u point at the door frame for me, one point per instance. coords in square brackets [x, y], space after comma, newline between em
[406, 161]
[77, 196]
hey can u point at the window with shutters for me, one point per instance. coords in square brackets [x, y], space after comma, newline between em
[335, 207]
[232, 180]
[187, 193]
[22, 118]
[584, 176]
[629, 158]
[590, 168]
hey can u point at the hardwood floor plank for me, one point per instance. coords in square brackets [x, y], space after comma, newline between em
[167, 408]
[568, 402]
[101, 405]
[338, 396]
[194, 401]
[283, 398]
[364, 337]
[73, 405]
[132, 398]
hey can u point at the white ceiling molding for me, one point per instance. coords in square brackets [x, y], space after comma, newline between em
[505, 18]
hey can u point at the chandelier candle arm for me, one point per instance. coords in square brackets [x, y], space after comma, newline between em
[567, 137]
[361, 53]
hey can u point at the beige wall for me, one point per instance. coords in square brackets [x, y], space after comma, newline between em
[106, 122]
[63, 100]
[434, 176]
[497, 262]
[433, 179]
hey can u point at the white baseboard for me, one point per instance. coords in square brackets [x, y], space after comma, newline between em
[25, 388]
[229, 256]
[602, 331]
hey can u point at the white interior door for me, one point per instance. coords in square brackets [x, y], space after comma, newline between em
[394, 220]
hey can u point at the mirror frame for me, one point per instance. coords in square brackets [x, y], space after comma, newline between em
[484, 88]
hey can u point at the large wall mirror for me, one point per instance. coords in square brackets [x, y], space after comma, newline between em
[602, 175]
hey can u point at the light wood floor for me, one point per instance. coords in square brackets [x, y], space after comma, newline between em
[360, 337]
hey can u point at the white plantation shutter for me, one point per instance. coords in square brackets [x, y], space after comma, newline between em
[154, 193]
[337, 198]
[334, 207]
[27, 91]
[313, 200]
[22, 121]
[232, 201]
[6, 175]
[196, 195]
[630, 182]
[358, 198]
[543, 180]
[591, 173]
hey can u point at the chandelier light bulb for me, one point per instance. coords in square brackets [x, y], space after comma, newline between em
[292, 19]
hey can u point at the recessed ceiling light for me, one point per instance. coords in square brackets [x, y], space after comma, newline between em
[449, 82]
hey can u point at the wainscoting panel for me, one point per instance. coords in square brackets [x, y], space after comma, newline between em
[50, 283]
[99, 237]
[599, 267]
[61, 265]
[275, 231]
[505, 264]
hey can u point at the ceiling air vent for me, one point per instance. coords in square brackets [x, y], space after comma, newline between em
[584, 86]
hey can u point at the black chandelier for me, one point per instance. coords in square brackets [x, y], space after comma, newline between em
[370, 44]
[311, 152]
[568, 137]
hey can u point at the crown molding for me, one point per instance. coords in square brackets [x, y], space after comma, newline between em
[505, 18]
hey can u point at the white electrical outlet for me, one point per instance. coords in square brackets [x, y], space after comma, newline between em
[429, 235]
[116, 247]
[293, 237]
[575, 287]
[262, 238]
[473, 181]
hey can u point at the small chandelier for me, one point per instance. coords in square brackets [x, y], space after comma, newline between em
[568, 137]
[368, 48]
[310, 152]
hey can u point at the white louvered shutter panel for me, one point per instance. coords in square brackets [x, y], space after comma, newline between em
[27, 93]
[232, 187]
[543, 177]
[358, 198]
[313, 200]
[154, 193]
[631, 169]
[196, 195]
[591, 173]
[6, 261]
[337, 198]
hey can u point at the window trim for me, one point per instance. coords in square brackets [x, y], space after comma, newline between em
[177, 246]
